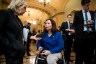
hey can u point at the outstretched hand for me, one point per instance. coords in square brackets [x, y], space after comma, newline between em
[35, 38]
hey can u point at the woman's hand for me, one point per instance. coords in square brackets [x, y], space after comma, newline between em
[35, 38]
[40, 49]
[46, 52]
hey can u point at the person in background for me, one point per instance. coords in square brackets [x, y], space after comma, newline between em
[95, 37]
[11, 32]
[39, 31]
[58, 29]
[34, 33]
[67, 37]
[27, 43]
[52, 44]
[84, 34]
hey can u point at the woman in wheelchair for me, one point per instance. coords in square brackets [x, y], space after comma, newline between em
[52, 44]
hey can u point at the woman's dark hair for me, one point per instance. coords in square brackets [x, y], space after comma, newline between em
[54, 29]
[83, 2]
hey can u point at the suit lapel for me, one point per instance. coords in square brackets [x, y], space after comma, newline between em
[19, 22]
[92, 15]
[81, 15]
[16, 21]
[66, 25]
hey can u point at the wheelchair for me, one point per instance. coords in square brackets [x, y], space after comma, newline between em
[41, 59]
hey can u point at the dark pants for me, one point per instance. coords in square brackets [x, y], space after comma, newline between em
[84, 48]
[84, 56]
[67, 48]
[94, 62]
[27, 45]
[14, 56]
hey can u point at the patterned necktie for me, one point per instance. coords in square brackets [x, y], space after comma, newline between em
[86, 18]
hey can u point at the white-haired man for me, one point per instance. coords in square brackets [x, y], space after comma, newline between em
[11, 41]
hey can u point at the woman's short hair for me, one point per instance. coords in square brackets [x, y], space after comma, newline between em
[54, 29]
[17, 3]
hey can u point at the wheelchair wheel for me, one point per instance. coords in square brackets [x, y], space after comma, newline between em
[36, 60]
[39, 60]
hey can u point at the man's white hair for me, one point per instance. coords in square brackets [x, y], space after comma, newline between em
[18, 3]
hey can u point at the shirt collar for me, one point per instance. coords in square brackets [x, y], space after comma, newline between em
[83, 11]
[68, 21]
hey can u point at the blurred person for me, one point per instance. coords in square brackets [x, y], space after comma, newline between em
[11, 41]
[95, 37]
[34, 33]
[27, 43]
[52, 44]
[67, 37]
[58, 29]
[84, 34]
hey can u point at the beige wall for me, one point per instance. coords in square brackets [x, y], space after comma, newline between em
[0, 4]
[59, 19]
[4, 6]
[58, 4]
[72, 5]
[93, 5]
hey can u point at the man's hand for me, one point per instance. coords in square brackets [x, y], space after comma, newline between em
[70, 30]
[90, 23]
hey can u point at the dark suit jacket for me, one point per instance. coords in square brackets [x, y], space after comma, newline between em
[82, 39]
[63, 28]
[10, 31]
[79, 23]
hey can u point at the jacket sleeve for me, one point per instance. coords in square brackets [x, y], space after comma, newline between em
[62, 28]
[3, 18]
[75, 24]
[39, 43]
[60, 45]
[3, 21]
